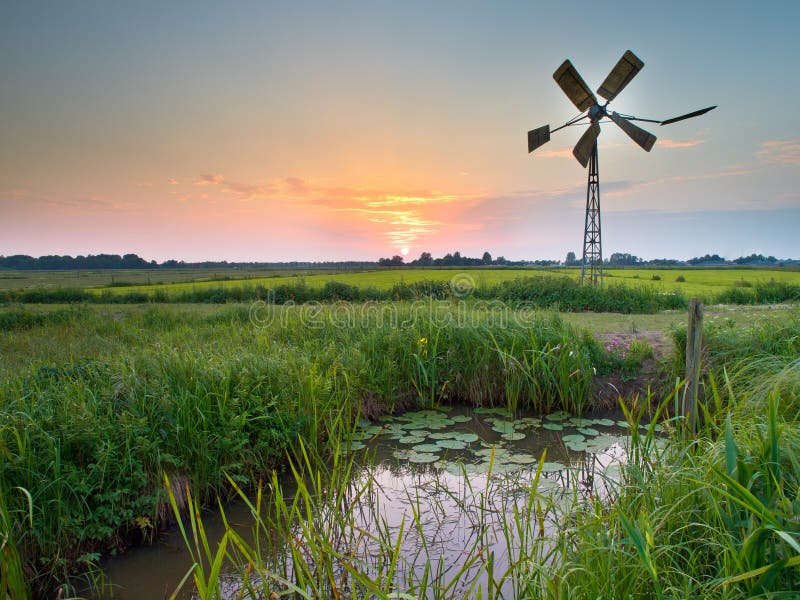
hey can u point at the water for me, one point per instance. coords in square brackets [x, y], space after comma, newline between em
[463, 472]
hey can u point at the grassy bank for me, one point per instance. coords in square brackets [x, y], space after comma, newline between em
[96, 407]
[710, 514]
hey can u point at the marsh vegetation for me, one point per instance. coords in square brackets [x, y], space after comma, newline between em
[99, 404]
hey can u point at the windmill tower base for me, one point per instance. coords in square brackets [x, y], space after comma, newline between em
[592, 263]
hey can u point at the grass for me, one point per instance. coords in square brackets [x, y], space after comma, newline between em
[98, 403]
[713, 515]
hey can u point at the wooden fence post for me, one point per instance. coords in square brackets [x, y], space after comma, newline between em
[694, 340]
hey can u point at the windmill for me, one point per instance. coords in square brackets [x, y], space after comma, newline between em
[585, 150]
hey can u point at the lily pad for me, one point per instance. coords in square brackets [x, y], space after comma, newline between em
[603, 442]
[560, 415]
[574, 437]
[411, 439]
[504, 427]
[456, 468]
[581, 422]
[353, 447]
[522, 459]
[461, 418]
[422, 457]
[553, 426]
[367, 432]
[452, 444]
[441, 435]
[588, 431]
[513, 436]
[467, 437]
[416, 425]
[605, 422]
[499, 467]
[552, 467]
[576, 446]
[425, 448]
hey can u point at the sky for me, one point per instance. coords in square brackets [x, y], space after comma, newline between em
[353, 130]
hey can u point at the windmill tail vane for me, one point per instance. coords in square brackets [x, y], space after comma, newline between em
[592, 113]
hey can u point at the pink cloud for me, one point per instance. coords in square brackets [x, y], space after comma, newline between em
[781, 152]
[209, 180]
[666, 143]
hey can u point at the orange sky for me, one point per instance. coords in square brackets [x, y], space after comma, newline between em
[284, 131]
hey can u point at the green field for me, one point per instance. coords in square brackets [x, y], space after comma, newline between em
[699, 281]
[703, 282]
[20, 280]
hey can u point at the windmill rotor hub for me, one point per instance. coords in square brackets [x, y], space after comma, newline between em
[597, 112]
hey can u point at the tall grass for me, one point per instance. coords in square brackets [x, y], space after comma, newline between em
[716, 515]
[13, 579]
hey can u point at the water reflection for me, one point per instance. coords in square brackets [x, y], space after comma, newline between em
[460, 493]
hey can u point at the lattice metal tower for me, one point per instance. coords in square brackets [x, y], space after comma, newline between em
[592, 239]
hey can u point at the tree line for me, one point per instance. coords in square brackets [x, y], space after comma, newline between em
[24, 262]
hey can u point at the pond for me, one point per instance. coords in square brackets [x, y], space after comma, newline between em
[452, 488]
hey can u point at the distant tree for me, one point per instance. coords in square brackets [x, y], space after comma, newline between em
[755, 259]
[486, 259]
[708, 259]
[425, 259]
[570, 261]
[501, 260]
[622, 259]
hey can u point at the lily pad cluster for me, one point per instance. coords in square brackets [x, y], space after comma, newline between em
[453, 442]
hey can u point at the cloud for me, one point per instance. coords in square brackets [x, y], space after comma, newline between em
[666, 143]
[172, 181]
[209, 180]
[401, 216]
[24, 197]
[631, 186]
[567, 152]
[780, 152]
[558, 153]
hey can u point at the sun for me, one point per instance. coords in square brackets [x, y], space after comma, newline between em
[404, 251]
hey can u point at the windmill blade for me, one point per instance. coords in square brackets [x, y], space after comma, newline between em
[621, 75]
[538, 137]
[696, 113]
[644, 138]
[583, 149]
[574, 87]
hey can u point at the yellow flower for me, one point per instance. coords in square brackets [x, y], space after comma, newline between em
[423, 341]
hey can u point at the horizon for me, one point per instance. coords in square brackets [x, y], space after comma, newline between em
[314, 133]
